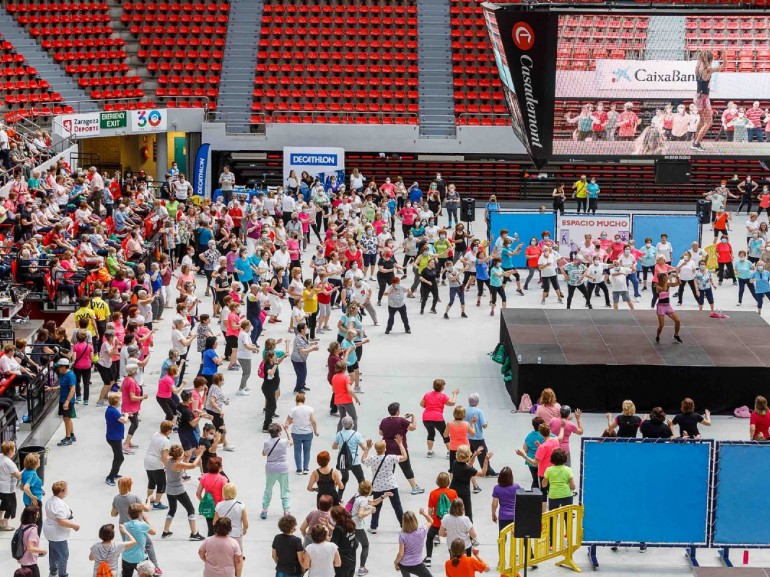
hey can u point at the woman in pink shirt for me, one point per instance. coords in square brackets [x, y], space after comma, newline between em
[543, 454]
[132, 397]
[433, 415]
[82, 353]
[547, 407]
[564, 427]
[233, 329]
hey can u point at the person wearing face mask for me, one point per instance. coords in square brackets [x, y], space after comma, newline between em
[452, 203]
[686, 269]
[752, 226]
[628, 260]
[418, 230]
[431, 231]
[741, 126]
[660, 267]
[743, 270]
[756, 245]
[443, 248]
[747, 188]
[369, 249]
[721, 223]
[559, 196]
[407, 215]
[580, 192]
[547, 264]
[616, 247]
[595, 275]
[619, 283]
[532, 254]
[665, 249]
[429, 286]
[760, 278]
[706, 286]
[647, 260]
[592, 190]
[664, 309]
[725, 259]
[506, 255]
[575, 272]
[387, 268]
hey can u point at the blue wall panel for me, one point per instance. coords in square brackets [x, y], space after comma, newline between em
[649, 492]
[681, 229]
[740, 516]
[526, 225]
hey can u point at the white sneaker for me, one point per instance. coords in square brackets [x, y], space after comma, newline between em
[229, 448]
[243, 393]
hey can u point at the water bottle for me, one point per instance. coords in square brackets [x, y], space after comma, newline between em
[539, 360]
[518, 357]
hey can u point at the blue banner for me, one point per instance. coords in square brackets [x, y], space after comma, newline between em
[201, 165]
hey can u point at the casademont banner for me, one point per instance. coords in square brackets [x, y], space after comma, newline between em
[641, 75]
[524, 44]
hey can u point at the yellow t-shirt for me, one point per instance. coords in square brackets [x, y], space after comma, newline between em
[310, 301]
[580, 189]
[86, 313]
[101, 309]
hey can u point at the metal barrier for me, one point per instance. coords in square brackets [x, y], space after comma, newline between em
[40, 393]
[562, 536]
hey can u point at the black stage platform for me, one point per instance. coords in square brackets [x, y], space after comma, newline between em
[594, 359]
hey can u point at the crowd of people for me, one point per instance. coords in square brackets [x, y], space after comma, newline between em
[20, 151]
[243, 285]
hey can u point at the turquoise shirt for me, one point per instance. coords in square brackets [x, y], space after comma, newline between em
[762, 284]
[743, 268]
[593, 190]
[139, 530]
[506, 255]
[352, 357]
[496, 276]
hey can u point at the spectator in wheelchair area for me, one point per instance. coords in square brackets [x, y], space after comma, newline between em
[10, 367]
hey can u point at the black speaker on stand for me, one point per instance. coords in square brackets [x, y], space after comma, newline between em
[529, 518]
[468, 211]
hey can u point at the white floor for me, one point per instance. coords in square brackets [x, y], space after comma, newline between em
[397, 367]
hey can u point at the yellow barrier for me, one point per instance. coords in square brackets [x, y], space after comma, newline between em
[562, 536]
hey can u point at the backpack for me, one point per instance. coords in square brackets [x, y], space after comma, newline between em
[17, 542]
[350, 503]
[443, 506]
[525, 405]
[104, 570]
[207, 507]
[498, 355]
[261, 370]
[345, 457]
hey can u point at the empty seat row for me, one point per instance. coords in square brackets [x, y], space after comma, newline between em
[332, 119]
[154, 7]
[338, 8]
[21, 6]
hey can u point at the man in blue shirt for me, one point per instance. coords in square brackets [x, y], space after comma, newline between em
[415, 194]
[66, 394]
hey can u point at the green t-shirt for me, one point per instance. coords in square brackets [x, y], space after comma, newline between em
[442, 247]
[558, 481]
[496, 276]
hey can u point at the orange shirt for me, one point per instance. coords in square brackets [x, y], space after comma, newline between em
[721, 221]
[467, 567]
[433, 498]
[458, 435]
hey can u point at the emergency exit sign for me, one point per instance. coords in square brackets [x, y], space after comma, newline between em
[112, 120]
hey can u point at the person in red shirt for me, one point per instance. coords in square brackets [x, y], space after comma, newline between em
[330, 245]
[388, 189]
[668, 121]
[725, 259]
[720, 223]
[354, 254]
[344, 395]
[532, 254]
[628, 122]
[759, 423]
[442, 482]
[616, 247]
[599, 118]
[755, 114]
[730, 113]
[407, 216]
[325, 292]
[236, 213]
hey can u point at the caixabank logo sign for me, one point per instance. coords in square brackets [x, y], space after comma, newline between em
[529, 40]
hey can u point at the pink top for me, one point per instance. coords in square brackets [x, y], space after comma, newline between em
[165, 387]
[129, 386]
[543, 455]
[233, 319]
[548, 412]
[221, 553]
[569, 428]
[213, 483]
[293, 246]
[140, 333]
[83, 352]
[31, 537]
[304, 218]
[434, 406]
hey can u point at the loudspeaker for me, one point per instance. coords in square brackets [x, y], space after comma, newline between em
[528, 514]
[672, 171]
[703, 211]
[468, 209]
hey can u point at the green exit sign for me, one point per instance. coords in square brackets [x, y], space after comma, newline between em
[111, 120]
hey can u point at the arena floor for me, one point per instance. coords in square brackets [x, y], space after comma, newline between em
[396, 367]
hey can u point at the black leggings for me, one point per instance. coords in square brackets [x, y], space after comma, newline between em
[497, 290]
[363, 540]
[168, 406]
[730, 271]
[682, 284]
[84, 376]
[358, 473]
[383, 281]
[571, 292]
[480, 284]
[432, 534]
[593, 288]
[434, 427]
[184, 500]
[134, 420]
[419, 570]
[425, 292]
[117, 457]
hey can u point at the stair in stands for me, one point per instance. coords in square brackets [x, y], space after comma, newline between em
[47, 68]
[436, 92]
[237, 79]
[666, 38]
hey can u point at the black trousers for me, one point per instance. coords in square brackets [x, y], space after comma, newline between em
[747, 202]
[682, 284]
[425, 292]
[721, 271]
[571, 291]
[742, 285]
[358, 473]
[593, 204]
[271, 404]
[395, 501]
[117, 457]
[595, 287]
[392, 315]
[582, 203]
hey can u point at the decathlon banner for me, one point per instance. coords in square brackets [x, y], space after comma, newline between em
[200, 169]
[319, 162]
[669, 75]
[150, 120]
[571, 229]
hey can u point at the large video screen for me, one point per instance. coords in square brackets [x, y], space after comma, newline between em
[630, 84]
